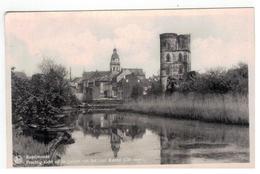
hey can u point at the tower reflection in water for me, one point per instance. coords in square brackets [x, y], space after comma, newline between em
[113, 125]
[115, 141]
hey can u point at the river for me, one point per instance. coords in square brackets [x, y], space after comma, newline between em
[127, 138]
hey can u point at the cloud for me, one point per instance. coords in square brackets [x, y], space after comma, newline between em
[85, 49]
[135, 44]
[216, 52]
[85, 40]
[18, 55]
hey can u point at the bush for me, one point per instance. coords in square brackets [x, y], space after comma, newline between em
[218, 81]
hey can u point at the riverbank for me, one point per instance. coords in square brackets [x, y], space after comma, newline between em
[28, 152]
[228, 109]
[25, 147]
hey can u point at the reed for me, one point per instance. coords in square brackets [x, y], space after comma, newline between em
[25, 145]
[219, 108]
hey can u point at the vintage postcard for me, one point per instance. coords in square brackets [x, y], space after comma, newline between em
[130, 88]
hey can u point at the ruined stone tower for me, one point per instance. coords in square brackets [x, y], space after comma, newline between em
[174, 57]
[115, 62]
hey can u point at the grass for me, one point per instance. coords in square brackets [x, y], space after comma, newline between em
[25, 146]
[229, 109]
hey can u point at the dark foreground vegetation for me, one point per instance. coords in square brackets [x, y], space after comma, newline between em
[38, 99]
[216, 96]
[38, 104]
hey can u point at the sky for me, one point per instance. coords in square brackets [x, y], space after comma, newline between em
[84, 40]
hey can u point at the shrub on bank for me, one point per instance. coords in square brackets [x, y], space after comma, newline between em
[214, 81]
[218, 81]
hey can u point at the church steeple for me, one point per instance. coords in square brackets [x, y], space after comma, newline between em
[115, 62]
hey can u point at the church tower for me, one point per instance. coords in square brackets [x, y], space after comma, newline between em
[175, 59]
[115, 62]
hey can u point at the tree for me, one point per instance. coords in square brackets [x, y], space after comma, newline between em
[155, 88]
[238, 78]
[48, 65]
[216, 81]
[57, 83]
[21, 97]
[137, 91]
[37, 101]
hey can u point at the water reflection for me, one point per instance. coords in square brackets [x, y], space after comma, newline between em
[125, 138]
[111, 125]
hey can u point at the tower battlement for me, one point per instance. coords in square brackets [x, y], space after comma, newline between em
[175, 42]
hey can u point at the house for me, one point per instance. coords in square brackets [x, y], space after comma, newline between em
[76, 84]
[98, 85]
[132, 85]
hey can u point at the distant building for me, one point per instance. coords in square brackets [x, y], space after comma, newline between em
[132, 82]
[76, 84]
[108, 84]
[175, 59]
[115, 63]
[77, 87]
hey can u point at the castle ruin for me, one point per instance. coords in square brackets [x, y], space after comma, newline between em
[175, 59]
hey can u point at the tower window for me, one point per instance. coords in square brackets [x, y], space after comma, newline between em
[168, 58]
[166, 45]
[113, 68]
[180, 57]
[185, 58]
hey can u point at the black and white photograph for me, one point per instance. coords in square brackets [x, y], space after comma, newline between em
[159, 87]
